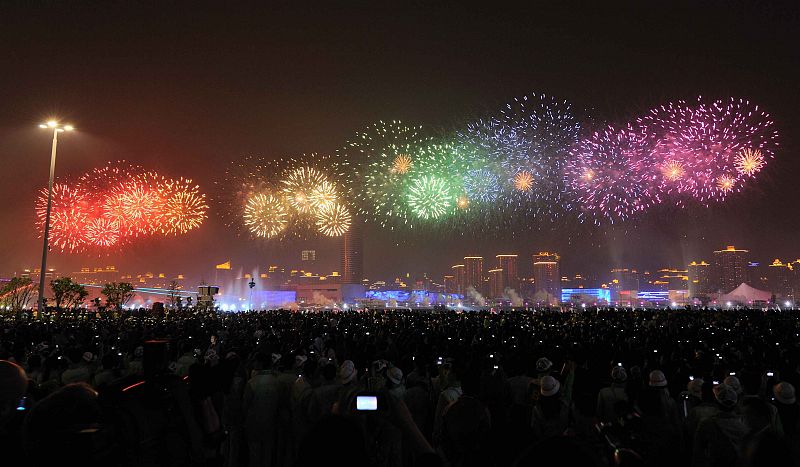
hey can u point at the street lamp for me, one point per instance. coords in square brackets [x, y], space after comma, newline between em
[57, 128]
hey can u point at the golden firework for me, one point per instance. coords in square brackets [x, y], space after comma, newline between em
[673, 171]
[725, 183]
[749, 161]
[265, 215]
[523, 181]
[322, 196]
[401, 164]
[462, 202]
[298, 186]
[333, 220]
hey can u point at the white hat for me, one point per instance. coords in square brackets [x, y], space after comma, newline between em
[784, 393]
[395, 375]
[657, 379]
[347, 372]
[543, 364]
[88, 357]
[549, 386]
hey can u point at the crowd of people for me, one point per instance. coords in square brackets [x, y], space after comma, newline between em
[402, 388]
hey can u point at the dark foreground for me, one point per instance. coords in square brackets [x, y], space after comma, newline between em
[281, 388]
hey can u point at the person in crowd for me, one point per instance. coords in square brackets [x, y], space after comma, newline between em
[13, 408]
[79, 370]
[719, 439]
[260, 406]
[788, 410]
[608, 398]
[552, 415]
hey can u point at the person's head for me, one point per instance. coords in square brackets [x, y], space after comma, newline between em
[657, 379]
[109, 361]
[394, 375]
[734, 383]
[13, 385]
[725, 396]
[75, 355]
[695, 388]
[543, 365]
[549, 386]
[334, 440]
[619, 375]
[214, 338]
[347, 372]
[784, 393]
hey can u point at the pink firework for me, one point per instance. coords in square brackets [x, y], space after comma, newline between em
[608, 174]
[707, 150]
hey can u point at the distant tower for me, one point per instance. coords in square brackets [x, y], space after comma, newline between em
[546, 277]
[731, 265]
[352, 255]
[473, 273]
[508, 263]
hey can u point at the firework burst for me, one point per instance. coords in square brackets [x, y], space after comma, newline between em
[265, 215]
[609, 177]
[333, 220]
[749, 161]
[430, 197]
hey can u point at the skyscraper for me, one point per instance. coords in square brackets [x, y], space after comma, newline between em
[780, 279]
[352, 255]
[496, 285]
[473, 273]
[699, 279]
[731, 268]
[546, 277]
[459, 278]
[450, 284]
[508, 263]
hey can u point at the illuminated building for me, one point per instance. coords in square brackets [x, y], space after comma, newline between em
[546, 278]
[450, 284]
[308, 255]
[352, 255]
[731, 268]
[625, 284]
[473, 273]
[676, 282]
[496, 284]
[586, 296]
[699, 276]
[780, 279]
[508, 263]
[459, 278]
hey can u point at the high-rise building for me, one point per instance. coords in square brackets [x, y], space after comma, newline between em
[496, 285]
[450, 285]
[731, 268]
[508, 263]
[625, 285]
[352, 255]
[780, 279]
[459, 277]
[546, 277]
[308, 255]
[699, 275]
[473, 273]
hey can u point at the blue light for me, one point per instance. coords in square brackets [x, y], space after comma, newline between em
[586, 295]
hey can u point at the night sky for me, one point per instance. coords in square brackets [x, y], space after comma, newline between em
[186, 87]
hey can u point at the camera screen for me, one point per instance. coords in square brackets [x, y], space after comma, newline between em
[366, 403]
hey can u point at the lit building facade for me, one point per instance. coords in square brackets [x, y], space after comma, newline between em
[496, 285]
[731, 266]
[473, 273]
[547, 277]
[508, 263]
[459, 278]
[625, 285]
[352, 255]
[699, 277]
[780, 279]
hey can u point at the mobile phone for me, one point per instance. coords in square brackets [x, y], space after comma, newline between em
[366, 403]
[619, 364]
[770, 374]
[23, 404]
[691, 378]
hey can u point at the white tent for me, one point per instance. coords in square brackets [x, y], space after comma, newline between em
[745, 294]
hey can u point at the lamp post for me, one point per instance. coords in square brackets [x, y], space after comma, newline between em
[57, 128]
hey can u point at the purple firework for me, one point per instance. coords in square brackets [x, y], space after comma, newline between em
[708, 150]
[609, 176]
